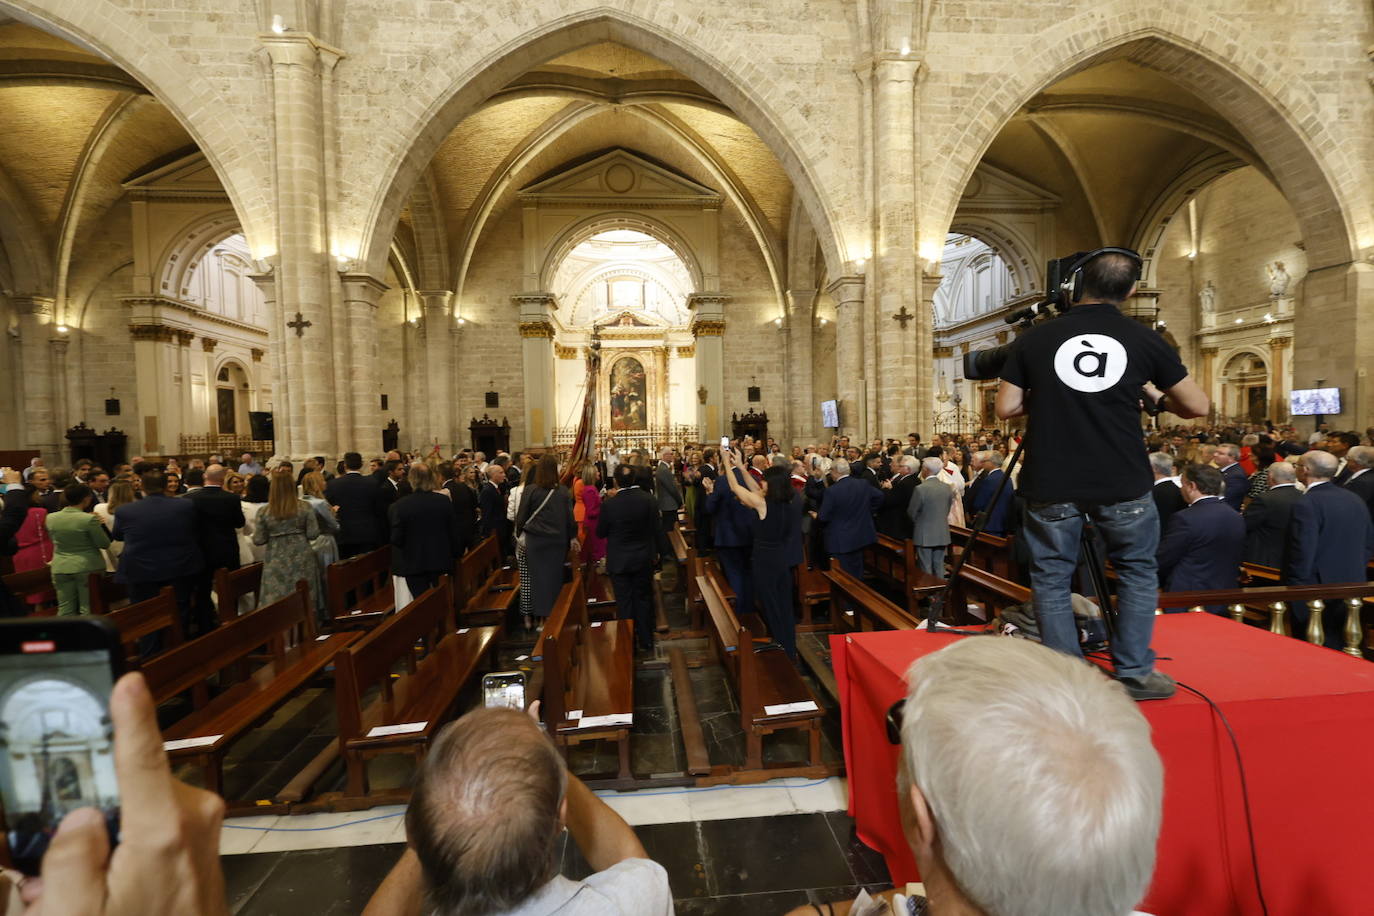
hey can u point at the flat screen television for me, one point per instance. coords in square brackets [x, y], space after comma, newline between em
[1307, 402]
[830, 414]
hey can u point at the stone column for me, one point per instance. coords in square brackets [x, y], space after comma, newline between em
[303, 314]
[38, 389]
[437, 308]
[848, 293]
[186, 393]
[798, 373]
[923, 420]
[708, 327]
[536, 351]
[1209, 360]
[207, 347]
[1278, 379]
[154, 352]
[361, 294]
[58, 344]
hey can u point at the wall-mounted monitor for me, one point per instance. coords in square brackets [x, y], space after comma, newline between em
[1307, 402]
[830, 414]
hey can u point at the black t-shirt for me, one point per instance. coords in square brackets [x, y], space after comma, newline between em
[1083, 373]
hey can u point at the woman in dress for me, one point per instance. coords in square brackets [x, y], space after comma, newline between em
[545, 518]
[256, 488]
[325, 546]
[35, 546]
[285, 528]
[593, 547]
[121, 493]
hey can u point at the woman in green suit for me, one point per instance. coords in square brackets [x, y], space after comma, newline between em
[77, 538]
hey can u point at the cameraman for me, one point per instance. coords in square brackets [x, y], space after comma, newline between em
[1080, 379]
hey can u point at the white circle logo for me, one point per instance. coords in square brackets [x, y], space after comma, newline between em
[1090, 362]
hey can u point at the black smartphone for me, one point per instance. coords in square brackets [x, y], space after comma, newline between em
[56, 737]
[504, 688]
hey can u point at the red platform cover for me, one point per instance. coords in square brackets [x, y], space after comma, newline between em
[1304, 717]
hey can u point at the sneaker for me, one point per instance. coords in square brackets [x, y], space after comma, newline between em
[1154, 686]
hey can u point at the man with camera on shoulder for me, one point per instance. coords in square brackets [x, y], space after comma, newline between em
[1081, 380]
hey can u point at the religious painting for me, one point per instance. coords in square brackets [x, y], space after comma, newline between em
[629, 400]
[227, 415]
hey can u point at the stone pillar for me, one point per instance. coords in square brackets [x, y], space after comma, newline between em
[708, 327]
[437, 308]
[302, 320]
[848, 293]
[38, 404]
[1208, 378]
[923, 420]
[1278, 379]
[154, 358]
[361, 294]
[186, 394]
[798, 371]
[58, 344]
[211, 401]
[536, 351]
[266, 282]
[902, 332]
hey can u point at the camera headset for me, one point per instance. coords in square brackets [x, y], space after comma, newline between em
[1065, 275]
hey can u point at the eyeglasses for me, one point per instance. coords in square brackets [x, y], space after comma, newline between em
[894, 721]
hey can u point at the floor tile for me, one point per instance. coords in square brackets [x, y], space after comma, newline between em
[829, 795]
[235, 838]
[680, 849]
[244, 874]
[334, 829]
[730, 802]
[650, 806]
[322, 882]
[770, 904]
[867, 865]
[774, 854]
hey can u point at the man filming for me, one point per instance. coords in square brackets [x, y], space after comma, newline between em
[1080, 380]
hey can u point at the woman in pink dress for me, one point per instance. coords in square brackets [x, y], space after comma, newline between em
[593, 547]
[35, 547]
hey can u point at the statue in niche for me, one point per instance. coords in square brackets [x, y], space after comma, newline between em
[1278, 280]
[1207, 299]
[629, 389]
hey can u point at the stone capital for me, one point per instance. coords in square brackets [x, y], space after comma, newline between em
[156, 333]
[1208, 352]
[1280, 343]
[183, 336]
[847, 290]
[364, 288]
[208, 344]
[257, 354]
[39, 307]
[436, 301]
[536, 329]
[266, 282]
[706, 327]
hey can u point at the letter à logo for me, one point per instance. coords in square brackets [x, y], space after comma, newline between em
[1090, 362]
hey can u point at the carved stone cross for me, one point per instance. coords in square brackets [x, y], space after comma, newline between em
[903, 316]
[300, 324]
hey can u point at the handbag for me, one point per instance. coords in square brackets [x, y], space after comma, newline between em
[520, 538]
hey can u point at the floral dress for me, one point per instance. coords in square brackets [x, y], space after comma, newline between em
[289, 556]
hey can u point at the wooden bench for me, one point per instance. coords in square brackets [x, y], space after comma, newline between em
[856, 606]
[359, 591]
[106, 593]
[678, 544]
[156, 615]
[763, 681]
[296, 658]
[588, 675]
[425, 694]
[992, 552]
[984, 587]
[33, 582]
[488, 587]
[232, 585]
[893, 562]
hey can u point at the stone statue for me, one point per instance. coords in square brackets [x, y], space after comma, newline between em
[1278, 280]
[1207, 298]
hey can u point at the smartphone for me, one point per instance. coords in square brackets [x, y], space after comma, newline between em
[725, 442]
[504, 689]
[56, 737]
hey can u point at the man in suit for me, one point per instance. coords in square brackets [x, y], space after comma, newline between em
[893, 519]
[1167, 495]
[666, 490]
[354, 494]
[1339, 445]
[1358, 461]
[220, 515]
[847, 514]
[709, 470]
[391, 487]
[1332, 541]
[161, 536]
[1227, 460]
[866, 470]
[628, 523]
[423, 532]
[928, 510]
[492, 504]
[1267, 521]
[1202, 548]
[464, 506]
[985, 489]
[732, 524]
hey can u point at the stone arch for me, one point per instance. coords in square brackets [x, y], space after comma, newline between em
[119, 36]
[195, 238]
[685, 45]
[605, 221]
[1257, 94]
[1155, 222]
[1015, 250]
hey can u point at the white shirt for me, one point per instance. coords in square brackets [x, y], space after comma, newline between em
[1356, 474]
[633, 887]
[1176, 480]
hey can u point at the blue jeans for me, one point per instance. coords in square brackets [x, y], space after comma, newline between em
[1131, 530]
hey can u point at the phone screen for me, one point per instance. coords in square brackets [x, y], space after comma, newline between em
[56, 737]
[725, 442]
[504, 689]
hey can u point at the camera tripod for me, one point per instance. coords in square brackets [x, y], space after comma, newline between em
[1088, 555]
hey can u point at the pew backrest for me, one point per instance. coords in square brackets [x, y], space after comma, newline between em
[863, 608]
[156, 615]
[359, 590]
[231, 585]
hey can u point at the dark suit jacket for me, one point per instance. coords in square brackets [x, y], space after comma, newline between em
[1363, 487]
[161, 539]
[847, 513]
[493, 505]
[1168, 500]
[629, 522]
[669, 494]
[424, 534]
[1202, 548]
[356, 496]
[465, 510]
[1267, 521]
[1237, 485]
[221, 515]
[1332, 537]
[733, 525]
[893, 519]
[982, 498]
[865, 473]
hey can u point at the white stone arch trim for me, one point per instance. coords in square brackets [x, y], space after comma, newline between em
[458, 84]
[1224, 64]
[189, 244]
[1015, 250]
[562, 244]
[583, 282]
[1241, 350]
[233, 362]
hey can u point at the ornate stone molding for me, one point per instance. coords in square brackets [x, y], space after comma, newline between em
[535, 299]
[942, 352]
[536, 329]
[846, 290]
[183, 336]
[257, 354]
[716, 299]
[152, 332]
[708, 328]
[563, 352]
[1209, 351]
[1280, 343]
[687, 352]
[37, 306]
[208, 344]
[153, 305]
[360, 287]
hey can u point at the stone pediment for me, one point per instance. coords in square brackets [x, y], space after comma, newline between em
[617, 178]
[992, 188]
[189, 176]
[626, 319]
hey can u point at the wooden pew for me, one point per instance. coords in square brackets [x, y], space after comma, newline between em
[490, 588]
[678, 543]
[425, 693]
[856, 606]
[106, 593]
[761, 680]
[296, 658]
[231, 585]
[588, 669]
[988, 588]
[893, 561]
[358, 590]
[156, 615]
[813, 588]
[33, 582]
[992, 552]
